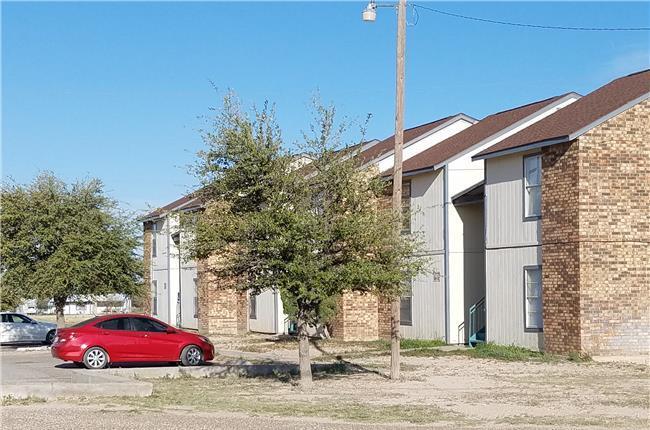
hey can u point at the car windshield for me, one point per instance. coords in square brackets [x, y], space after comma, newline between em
[83, 323]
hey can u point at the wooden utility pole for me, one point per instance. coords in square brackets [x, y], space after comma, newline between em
[397, 177]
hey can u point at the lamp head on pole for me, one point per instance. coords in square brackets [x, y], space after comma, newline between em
[370, 12]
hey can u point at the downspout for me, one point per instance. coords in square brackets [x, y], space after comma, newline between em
[169, 276]
[445, 213]
[180, 282]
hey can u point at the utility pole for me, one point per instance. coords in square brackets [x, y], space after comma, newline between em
[370, 15]
[397, 177]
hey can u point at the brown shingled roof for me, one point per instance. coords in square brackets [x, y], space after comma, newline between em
[572, 120]
[186, 202]
[474, 134]
[388, 144]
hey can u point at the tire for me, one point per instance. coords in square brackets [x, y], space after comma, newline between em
[49, 337]
[192, 355]
[95, 358]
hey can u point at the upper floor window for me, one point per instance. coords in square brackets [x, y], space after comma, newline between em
[154, 239]
[533, 186]
[406, 207]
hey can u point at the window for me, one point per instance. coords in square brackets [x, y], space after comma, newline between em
[154, 298]
[252, 306]
[533, 292]
[406, 304]
[533, 186]
[16, 318]
[196, 298]
[154, 239]
[145, 324]
[406, 207]
[115, 324]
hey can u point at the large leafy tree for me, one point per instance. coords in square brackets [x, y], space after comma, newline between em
[60, 240]
[312, 232]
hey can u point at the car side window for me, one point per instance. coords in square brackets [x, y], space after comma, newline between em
[145, 324]
[20, 319]
[5, 318]
[115, 324]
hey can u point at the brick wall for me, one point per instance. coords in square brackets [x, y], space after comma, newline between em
[222, 308]
[145, 299]
[615, 235]
[596, 239]
[560, 256]
[357, 317]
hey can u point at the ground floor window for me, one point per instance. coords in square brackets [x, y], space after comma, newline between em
[154, 298]
[533, 293]
[406, 304]
[196, 298]
[253, 307]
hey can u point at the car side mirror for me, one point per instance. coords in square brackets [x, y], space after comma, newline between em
[170, 330]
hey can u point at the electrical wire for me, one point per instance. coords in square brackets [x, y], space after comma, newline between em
[518, 24]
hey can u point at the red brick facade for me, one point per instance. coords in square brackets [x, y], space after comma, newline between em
[223, 309]
[145, 300]
[596, 239]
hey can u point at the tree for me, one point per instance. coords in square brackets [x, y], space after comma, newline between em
[61, 240]
[312, 232]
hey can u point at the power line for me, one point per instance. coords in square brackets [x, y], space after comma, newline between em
[518, 24]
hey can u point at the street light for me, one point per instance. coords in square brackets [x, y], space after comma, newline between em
[370, 14]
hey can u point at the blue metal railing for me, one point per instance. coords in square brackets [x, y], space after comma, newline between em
[477, 322]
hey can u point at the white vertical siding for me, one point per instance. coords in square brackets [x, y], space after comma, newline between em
[265, 321]
[505, 296]
[188, 296]
[505, 224]
[427, 209]
[428, 302]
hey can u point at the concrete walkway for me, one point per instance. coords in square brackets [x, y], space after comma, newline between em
[38, 374]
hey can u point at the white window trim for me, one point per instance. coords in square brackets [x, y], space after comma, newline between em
[526, 187]
[407, 295]
[527, 324]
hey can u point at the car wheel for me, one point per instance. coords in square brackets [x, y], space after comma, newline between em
[191, 356]
[49, 338]
[95, 358]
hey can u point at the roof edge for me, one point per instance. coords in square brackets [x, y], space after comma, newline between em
[560, 99]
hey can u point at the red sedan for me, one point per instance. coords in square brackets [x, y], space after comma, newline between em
[129, 338]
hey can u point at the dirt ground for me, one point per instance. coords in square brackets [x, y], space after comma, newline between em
[437, 390]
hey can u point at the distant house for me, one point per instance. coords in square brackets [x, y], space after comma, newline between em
[567, 226]
[80, 305]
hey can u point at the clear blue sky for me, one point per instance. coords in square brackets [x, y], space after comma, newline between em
[114, 90]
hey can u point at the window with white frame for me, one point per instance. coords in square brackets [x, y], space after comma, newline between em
[533, 186]
[406, 304]
[154, 239]
[154, 297]
[533, 291]
[253, 306]
[196, 298]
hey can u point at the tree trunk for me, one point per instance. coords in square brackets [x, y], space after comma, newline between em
[394, 339]
[59, 305]
[303, 354]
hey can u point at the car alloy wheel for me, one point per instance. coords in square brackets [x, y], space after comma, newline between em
[95, 358]
[50, 337]
[192, 356]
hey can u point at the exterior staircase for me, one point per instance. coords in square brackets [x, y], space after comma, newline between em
[477, 323]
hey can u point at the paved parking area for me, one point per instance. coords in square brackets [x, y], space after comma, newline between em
[37, 373]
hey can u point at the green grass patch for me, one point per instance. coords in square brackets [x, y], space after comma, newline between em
[499, 352]
[254, 396]
[22, 401]
[420, 343]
